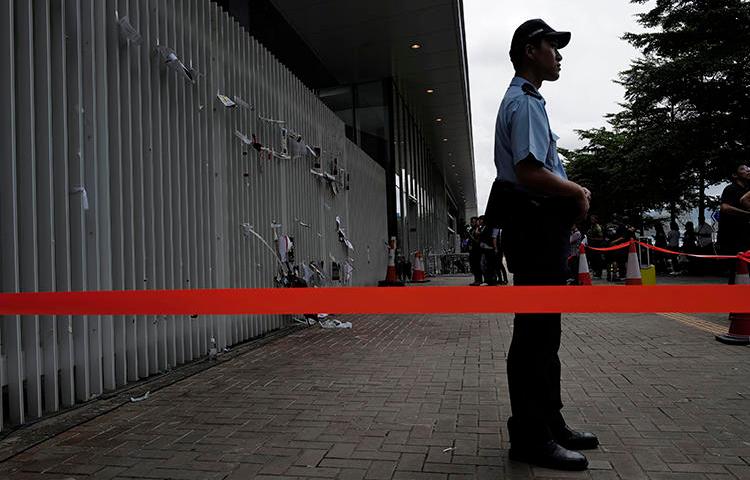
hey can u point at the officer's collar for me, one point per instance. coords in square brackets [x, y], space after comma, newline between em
[520, 81]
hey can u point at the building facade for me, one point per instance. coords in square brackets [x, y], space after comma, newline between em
[397, 77]
[158, 144]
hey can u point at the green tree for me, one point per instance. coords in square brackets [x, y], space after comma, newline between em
[686, 116]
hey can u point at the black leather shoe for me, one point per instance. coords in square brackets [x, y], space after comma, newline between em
[573, 440]
[549, 455]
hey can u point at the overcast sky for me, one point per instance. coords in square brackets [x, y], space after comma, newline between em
[585, 91]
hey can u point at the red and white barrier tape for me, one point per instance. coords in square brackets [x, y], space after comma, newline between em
[744, 256]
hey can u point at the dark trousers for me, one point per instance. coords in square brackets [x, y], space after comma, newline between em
[595, 259]
[502, 273]
[536, 244]
[730, 265]
[534, 371]
[490, 266]
[475, 262]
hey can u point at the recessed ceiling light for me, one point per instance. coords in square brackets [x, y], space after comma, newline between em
[430, 90]
[415, 46]
[445, 139]
[438, 119]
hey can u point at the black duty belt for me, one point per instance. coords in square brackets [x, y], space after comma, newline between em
[508, 203]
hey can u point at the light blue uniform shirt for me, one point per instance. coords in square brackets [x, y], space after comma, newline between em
[522, 128]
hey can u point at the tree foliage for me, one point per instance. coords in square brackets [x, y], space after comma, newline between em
[685, 121]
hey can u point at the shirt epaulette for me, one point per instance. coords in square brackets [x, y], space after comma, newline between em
[529, 89]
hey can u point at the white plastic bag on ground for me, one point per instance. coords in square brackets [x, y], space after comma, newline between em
[333, 323]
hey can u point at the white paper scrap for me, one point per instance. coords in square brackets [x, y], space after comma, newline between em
[333, 323]
[243, 137]
[226, 101]
[312, 151]
[167, 54]
[84, 195]
[271, 120]
[248, 230]
[141, 398]
[128, 31]
[239, 101]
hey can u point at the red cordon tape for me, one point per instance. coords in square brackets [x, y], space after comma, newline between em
[744, 256]
[694, 255]
[600, 299]
[609, 249]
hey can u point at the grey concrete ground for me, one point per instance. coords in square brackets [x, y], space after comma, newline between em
[425, 397]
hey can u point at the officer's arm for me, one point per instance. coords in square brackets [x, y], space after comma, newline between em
[534, 176]
[727, 209]
[745, 201]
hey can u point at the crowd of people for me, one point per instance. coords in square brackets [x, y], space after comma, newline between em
[484, 245]
[690, 241]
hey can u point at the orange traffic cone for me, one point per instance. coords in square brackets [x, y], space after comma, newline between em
[584, 276]
[418, 272]
[391, 280]
[739, 323]
[633, 273]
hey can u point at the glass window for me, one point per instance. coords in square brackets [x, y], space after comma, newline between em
[370, 95]
[341, 101]
[398, 202]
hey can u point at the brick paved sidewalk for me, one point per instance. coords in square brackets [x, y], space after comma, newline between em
[424, 397]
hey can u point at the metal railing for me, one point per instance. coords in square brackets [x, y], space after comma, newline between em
[447, 264]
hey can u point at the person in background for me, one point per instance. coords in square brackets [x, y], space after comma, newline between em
[705, 238]
[475, 253]
[660, 241]
[595, 236]
[690, 245]
[498, 244]
[576, 237]
[487, 241]
[618, 259]
[673, 243]
[689, 239]
[734, 217]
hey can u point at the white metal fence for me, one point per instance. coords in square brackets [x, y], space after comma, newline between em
[118, 172]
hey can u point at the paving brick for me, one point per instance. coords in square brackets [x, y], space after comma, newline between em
[398, 475]
[411, 462]
[351, 474]
[341, 450]
[346, 463]
[310, 458]
[697, 468]
[313, 472]
[381, 470]
[448, 468]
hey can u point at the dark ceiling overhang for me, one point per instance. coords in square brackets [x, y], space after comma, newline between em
[358, 41]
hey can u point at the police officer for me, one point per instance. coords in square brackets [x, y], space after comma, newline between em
[536, 205]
